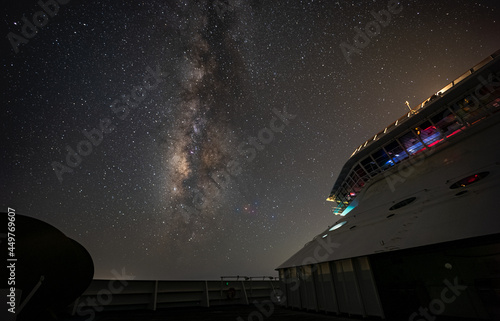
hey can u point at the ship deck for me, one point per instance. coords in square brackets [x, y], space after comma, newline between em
[223, 313]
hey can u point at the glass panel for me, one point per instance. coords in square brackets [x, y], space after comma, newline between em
[429, 134]
[396, 151]
[490, 99]
[469, 109]
[411, 143]
[347, 266]
[370, 166]
[382, 159]
[342, 193]
[349, 192]
[307, 271]
[324, 268]
[354, 179]
[362, 175]
[349, 181]
[363, 263]
[447, 123]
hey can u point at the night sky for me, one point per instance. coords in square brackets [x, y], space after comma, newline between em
[195, 139]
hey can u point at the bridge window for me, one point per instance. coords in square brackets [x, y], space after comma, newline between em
[353, 182]
[395, 151]
[447, 123]
[369, 164]
[490, 98]
[411, 143]
[361, 173]
[382, 159]
[469, 109]
[428, 133]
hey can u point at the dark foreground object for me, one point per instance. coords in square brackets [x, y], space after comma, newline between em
[46, 270]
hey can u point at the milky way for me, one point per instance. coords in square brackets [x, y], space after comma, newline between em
[201, 141]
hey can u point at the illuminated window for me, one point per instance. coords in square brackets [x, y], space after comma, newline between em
[446, 122]
[361, 173]
[369, 164]
[429, 133]
[382, 159]
[396, 152]
[411, 143]
[491, 100]
[469, 109]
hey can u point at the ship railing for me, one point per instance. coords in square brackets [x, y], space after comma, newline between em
[117, 295]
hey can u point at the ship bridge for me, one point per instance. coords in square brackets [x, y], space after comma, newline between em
[470, 98]
[424, 214]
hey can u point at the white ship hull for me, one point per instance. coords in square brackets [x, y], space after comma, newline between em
[415, 226]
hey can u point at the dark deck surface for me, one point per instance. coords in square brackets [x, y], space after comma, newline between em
[234, 313]
[240, 313]
[218, 313]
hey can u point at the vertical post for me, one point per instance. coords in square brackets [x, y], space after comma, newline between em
[205, 300]
[335, 287]
[221, 285]
[155, 297]
[374, 284]
[245, 297]
[355, 273]
[272, 285]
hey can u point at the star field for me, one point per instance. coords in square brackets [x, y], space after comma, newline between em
[204, 136]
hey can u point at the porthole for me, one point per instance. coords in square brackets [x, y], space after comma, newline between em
[402, 203]
[469, 180]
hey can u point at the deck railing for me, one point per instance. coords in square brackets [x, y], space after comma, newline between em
[153, 294]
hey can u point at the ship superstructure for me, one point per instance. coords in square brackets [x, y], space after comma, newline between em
[418, 212]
